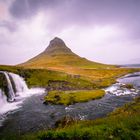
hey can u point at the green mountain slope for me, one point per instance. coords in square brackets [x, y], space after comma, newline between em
[58, 56]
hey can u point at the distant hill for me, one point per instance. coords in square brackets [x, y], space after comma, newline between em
[58, 56]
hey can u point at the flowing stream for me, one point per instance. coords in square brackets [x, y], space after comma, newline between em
[33, 115]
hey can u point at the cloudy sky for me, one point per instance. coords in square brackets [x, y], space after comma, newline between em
[106, 31]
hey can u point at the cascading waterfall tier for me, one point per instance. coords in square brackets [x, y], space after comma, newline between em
[19, 83]
[10, 94]
[15, 86]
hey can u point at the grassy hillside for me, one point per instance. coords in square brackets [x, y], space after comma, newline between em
[54, 80]
[62, 62]
[50, 79]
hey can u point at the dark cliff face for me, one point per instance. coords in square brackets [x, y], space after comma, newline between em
[57, 46]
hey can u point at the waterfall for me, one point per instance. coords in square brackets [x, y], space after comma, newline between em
[15, 86]
[10, 94]
[19, 83]
[13, 92]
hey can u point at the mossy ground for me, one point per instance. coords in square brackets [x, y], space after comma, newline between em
[71, 97]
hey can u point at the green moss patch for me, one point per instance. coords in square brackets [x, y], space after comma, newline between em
[71, 97]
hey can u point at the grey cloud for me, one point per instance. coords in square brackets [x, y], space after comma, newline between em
[28, 8]
[80, 11]
[65, 13]
[124, 13]
[10, 26]
[94, 10]
[102, 11]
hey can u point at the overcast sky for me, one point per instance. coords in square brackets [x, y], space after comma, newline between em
[106, 31]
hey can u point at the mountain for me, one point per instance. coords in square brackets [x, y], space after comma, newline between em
[58, 56]
[57, 47]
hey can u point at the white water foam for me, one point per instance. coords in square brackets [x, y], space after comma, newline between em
[10, 106]
[118, 90]
[6, 106]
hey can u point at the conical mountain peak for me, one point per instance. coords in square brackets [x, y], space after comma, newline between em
[59, 57]
[57, 41]
[57, 46]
